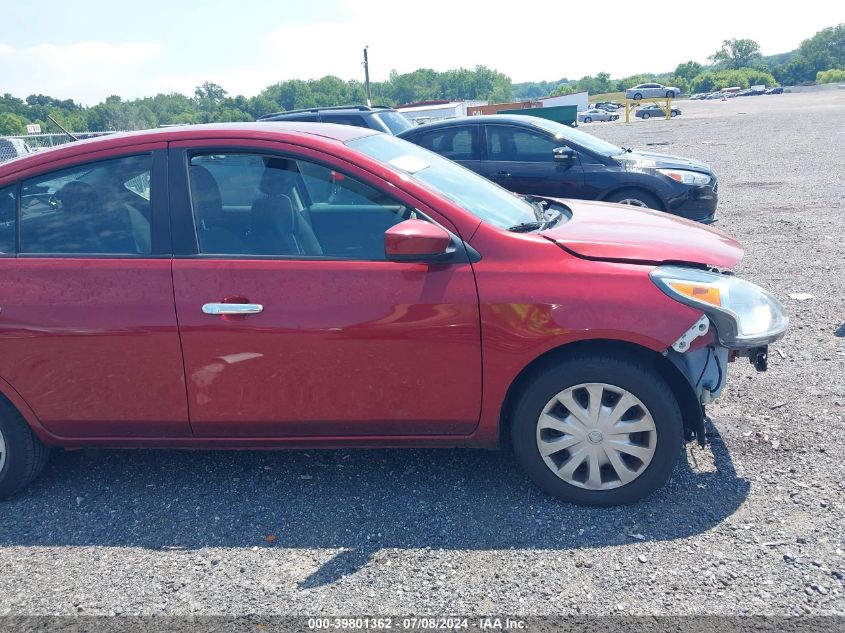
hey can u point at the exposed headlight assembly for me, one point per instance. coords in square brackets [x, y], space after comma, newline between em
[744, 314]
[686, 177]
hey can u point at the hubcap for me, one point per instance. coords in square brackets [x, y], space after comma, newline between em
[634, 202]
[596, 436]
[2, 451]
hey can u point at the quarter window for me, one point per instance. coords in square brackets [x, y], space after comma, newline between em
[97, 208]
[251, 204]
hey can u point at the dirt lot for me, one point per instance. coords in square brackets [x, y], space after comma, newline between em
[753, 524]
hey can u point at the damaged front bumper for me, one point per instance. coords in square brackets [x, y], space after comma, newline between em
[705, 367]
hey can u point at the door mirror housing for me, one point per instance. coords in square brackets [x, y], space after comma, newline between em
[417, 241]
[564, 155]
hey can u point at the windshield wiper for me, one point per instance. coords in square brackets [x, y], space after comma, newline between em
[527, 227]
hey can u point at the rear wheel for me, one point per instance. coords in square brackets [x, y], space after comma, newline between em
[598, 429]
[22, 455]
[635, 198]
[587, 119]
[646, 115]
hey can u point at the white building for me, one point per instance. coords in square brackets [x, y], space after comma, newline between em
[433, 111]
[580, 99]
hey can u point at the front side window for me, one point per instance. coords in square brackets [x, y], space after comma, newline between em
[514, 144]
[8, 211]
[259, 205]
[96, 208]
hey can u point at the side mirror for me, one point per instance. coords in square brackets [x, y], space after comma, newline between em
[417, 241]
[564, 155]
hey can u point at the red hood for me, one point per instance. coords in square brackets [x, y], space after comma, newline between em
[600, 230]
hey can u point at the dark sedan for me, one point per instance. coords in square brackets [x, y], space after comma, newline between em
[654, 110]
[535, 156]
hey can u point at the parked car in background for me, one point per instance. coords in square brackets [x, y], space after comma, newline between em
[610, 106]
[654, 110]
[699, 95]
[529, 155]
[381, 118]
[301, 285]
[651, 91]
[774, 91]
[596, 114]
[715, 95]
[12, 148]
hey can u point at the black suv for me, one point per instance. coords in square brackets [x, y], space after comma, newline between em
[381, 118]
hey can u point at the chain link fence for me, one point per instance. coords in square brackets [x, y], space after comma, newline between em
[14, 146]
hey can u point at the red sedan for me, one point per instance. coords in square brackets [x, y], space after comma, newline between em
[311, 285]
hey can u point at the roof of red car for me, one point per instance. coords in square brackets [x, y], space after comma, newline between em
[264, 130]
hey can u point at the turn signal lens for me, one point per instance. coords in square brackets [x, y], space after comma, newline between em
[708, 294]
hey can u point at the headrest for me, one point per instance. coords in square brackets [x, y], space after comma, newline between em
[277, 182]
[77, 196]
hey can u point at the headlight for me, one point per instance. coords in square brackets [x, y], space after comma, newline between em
[686, 177]
[744, 314]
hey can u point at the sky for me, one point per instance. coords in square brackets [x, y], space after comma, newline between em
[87, 50]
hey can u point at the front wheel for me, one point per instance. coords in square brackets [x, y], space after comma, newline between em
[598, 429]
[22, 455]
[645, 115]
[670, 94]
[635, 198]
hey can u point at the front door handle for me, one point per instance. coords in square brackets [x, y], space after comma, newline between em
[232, 308]
[504, 174]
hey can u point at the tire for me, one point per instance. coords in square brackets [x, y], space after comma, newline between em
[638, 96]
[23, 455]
[588, 119]
[655, 402]
[670, 94]
[645, 115]
[673, 114]
[636, 198]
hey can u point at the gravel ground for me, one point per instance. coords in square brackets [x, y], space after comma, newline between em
[754, 524]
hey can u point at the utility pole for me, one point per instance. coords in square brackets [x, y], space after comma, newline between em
[367, 75]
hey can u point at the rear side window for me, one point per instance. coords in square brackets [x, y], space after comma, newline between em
[345, 119]
[96, 208]
[8, 211]
[454, 143]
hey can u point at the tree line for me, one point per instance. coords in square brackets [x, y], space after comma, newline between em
[737, 63]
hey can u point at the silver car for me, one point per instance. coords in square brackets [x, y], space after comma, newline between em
[651, 91]
[596, 114]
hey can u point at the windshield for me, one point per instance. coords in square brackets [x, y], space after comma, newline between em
[395, 121]
[587, 141]
[477, 195]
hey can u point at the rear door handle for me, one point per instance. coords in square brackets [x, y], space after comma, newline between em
[504, 174]
[232, 308]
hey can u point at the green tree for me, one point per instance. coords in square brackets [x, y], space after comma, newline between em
[688, 70]
[737, 53]
[564, 89]
[11, 124]
[832, 76]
